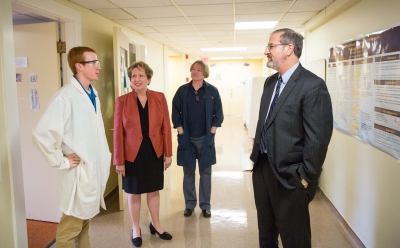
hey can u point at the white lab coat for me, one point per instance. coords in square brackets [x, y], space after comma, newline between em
[69, 125]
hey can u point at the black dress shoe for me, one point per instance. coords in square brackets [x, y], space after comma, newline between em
[138, 240]
[188, 212]
[207, 213]
[163, 235]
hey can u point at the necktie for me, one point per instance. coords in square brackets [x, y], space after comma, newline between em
[263, 143]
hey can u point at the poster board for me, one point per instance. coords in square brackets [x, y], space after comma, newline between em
[363, 78]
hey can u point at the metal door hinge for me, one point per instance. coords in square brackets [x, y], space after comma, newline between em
[61, 47]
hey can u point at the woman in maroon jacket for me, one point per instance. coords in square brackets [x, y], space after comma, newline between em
[142, 147]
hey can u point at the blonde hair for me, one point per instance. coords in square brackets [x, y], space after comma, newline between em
[204, 68]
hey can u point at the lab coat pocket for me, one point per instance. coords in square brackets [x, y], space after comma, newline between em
[87, 181]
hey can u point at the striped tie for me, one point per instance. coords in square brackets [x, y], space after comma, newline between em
[263, 143]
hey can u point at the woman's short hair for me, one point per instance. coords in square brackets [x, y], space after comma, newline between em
[204, 68]
[75, 55]
[141, 65]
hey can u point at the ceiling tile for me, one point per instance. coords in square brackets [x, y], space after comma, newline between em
[180, 34]
[113, 14]
[141, 3]
[94, 4]
[252, 37]
[165, 21]
[154, 12]
[211, 19]
[216, 32]
[210, 27]
[300, 17]
[212, 9]
[263, 7]
[197, 2]
[289, 25]
[182, 28]
[310, 5]
[254, 31]
[259, 17]
[254, 1]
[131, 23]
[210, 22]
[187, 38]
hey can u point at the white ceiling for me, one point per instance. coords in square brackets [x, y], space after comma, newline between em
[188, 25]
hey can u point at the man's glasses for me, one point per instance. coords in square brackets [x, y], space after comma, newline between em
[197, 95]
[270, 46]
[92, 62]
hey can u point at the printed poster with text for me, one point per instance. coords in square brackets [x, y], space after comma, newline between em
[363, 78]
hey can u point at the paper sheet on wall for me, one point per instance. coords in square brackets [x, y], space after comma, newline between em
[21, 62]
[34, 95]
[363, 79]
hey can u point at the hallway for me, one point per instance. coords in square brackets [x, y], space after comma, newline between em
[233, 222]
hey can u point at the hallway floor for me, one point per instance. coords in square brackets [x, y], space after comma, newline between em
[233, 222]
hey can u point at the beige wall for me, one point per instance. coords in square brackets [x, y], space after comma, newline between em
[361, 181]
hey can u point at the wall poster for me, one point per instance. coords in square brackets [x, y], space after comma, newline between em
[363, 78]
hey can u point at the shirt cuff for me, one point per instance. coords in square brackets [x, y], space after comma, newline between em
[65, 164]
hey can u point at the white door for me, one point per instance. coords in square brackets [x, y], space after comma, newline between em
[36, 44]
[230, 78]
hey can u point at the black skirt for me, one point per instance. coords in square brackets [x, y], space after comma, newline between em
[146, 173]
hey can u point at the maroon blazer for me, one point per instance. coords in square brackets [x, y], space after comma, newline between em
[128, 132]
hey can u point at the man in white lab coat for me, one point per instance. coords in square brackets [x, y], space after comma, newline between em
[70, 134]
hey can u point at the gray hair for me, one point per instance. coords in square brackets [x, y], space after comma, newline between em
[289, 36]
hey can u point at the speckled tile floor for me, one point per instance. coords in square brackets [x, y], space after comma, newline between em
[233, 222]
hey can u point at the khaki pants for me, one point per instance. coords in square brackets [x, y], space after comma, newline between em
[70, 228]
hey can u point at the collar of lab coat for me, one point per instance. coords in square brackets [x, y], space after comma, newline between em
[79, 87]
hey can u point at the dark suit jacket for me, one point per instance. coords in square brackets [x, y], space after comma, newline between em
[128, 131]
[299, 129]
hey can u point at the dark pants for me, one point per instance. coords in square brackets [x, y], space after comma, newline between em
[189, 175]
[280, 210]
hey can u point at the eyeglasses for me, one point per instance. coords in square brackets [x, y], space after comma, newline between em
[270, 46]
[91, 62]
[197, 95]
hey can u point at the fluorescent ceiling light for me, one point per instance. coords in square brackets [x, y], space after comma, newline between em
[225, 58]
[255, 25]
[213, 49]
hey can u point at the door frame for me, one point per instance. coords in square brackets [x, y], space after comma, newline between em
[73, 34]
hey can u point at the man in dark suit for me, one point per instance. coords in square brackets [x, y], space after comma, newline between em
[291, 141]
